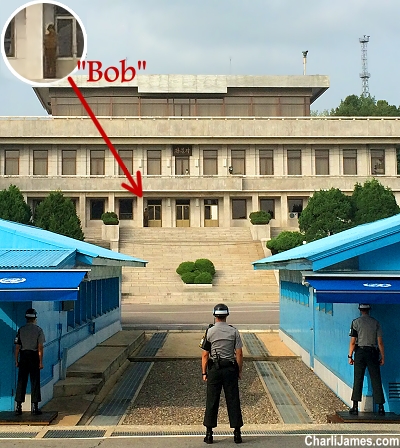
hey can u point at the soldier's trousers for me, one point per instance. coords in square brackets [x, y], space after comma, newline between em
[227, 378]
[367, 357]
[28, 367]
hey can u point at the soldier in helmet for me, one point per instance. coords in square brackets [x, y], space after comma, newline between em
[29, 360]
[222, 363]
[367, 345]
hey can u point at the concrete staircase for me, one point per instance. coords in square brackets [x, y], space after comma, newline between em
[232, 251]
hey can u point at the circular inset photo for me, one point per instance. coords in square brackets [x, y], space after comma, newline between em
[43, 42]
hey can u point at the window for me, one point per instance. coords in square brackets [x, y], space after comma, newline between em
[398, 160]
[210, 162]
[295, 206]
[68, 163]
[9, 40]
[181, 165]
[96, 208]
[322, 162]
[69, 33]
[153, 162]
[350, 161]
[127, 158]
[239, 209]
[11, 163]
[238, 161]
[268, 205]
[40, 163]
[266, 162]
[377, 161]
[97, 163]
[125, 209]
[294, 162]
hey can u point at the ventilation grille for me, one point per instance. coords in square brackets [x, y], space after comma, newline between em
[394, 391]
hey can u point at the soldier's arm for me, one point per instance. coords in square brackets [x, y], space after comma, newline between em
[381, 350]
[204, 360]
[17, 349]
[40, 352]
[239, 360]
[352, 347]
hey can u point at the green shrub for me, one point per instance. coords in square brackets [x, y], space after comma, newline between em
[186, 266]
[285, 241]
[260, 217]
[205, 265]
[110, 218]
[203, 277]
[188, 277]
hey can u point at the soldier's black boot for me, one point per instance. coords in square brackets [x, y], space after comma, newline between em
[237, 435]
[381, 409]
[36, 410]
[209, 436]
[18, 408]
[354, 409]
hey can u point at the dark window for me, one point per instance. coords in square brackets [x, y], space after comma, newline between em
[154, 162]
[11, 163]
[350, 161]
[126, 209]
[69, 34]
[181, 165]
[9, 40]
[68, 163]
[127, 158]
[322, 162]
[238, 161]
[97, 163]
[295, 206]
[266, 162]
[239, 209]
[294, 162]
[210, 162]
[377, 161]
[96, 208]
[268, 205]
[40, 163]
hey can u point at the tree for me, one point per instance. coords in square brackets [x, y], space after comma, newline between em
[57, 214]
[373, 201]
[13, 206]
[364, 106]
[284, 241]
[327, 212]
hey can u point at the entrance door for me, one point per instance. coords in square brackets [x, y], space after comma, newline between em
[211, 213]
[155, 212]
[182, 213]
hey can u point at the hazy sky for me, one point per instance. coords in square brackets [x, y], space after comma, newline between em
[253, 37]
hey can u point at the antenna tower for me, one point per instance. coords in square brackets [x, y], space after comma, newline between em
[364, 75]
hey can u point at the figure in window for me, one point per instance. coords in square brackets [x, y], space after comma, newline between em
[50, 52]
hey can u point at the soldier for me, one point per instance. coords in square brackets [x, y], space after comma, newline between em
[50, 52]
[367, 345]
[222, 363]
[29, 360]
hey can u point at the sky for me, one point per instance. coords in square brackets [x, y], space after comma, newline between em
[238, 37]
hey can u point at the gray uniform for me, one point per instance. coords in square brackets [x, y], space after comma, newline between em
[223, 340]
[28, 338]
[366, 330]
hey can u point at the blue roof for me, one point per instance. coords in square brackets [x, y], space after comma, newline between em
[336, 248]
[35, 259]
[20, 236]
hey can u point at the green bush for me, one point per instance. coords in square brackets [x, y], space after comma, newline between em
[186, 266]
[285, 241]
[205, 265]
[188, 277]
[110, 218]
[203, 277]
[260, 217]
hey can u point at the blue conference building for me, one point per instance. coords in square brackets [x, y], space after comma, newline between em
[321, 285]
[75, 288]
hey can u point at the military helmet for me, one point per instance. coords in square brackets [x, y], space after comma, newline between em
[364, 306]
[220, 310]
[31, 313]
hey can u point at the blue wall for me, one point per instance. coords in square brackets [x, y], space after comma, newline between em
[385, 259]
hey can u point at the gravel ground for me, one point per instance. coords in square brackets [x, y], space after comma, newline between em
[174, 394]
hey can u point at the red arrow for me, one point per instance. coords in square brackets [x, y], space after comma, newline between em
[135, 188]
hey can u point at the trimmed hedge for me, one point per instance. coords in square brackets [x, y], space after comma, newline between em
[259, 218]
[110, 218]
[199, 272]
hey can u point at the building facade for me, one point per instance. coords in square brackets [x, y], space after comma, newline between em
[211, 149]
